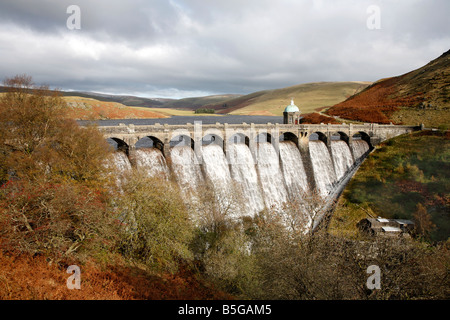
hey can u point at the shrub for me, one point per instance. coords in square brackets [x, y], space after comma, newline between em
[205, 110]
[52, 198]
[60, 221]
[38, 141]
[157, 229]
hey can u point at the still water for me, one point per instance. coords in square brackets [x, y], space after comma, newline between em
[231, 119]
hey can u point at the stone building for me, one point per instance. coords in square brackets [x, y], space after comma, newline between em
[386, 227]
[291, 114]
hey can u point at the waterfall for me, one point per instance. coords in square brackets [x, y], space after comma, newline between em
[121, 166]
[217, 172]
[151, 161]
[266, 179]
[342, 158]
[270, 175]
[187, 172]
[216, 167]
[360, 148]
[324, 174]
[293, 170]
[245, 177]
[121, 162]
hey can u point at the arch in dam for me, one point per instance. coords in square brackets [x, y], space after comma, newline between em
[213, 132]
[339, 135]
[289, 136]
[118, 144]
[363, 136]
[239, 137]
[318, 135]
[263, 137]
[150, 142]
[212, 138]
[182, 140]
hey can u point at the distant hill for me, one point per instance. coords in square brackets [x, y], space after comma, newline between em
[419, 96]
[92, 105]
[192, 103]
[309, 97]
[199, 102]
[131, 101]
[84, 108]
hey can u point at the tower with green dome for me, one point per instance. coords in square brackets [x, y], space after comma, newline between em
[291, 114]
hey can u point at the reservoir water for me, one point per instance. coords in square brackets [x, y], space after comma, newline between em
[231, 119]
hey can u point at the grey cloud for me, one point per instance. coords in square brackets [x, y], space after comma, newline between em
[184, 47]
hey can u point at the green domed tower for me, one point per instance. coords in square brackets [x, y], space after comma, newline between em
[291, 114]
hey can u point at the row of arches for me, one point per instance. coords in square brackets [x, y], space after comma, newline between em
[186, 140]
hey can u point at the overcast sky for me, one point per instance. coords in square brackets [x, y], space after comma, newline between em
[182, 48]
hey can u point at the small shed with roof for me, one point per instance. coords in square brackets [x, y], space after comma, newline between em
[386, 227]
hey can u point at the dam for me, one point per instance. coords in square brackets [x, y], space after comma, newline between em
[267, 165]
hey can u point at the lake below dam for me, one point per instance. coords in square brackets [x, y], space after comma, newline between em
[231, 119]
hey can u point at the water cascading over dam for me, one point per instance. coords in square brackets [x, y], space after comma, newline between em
[187, 172]
[323, 170]
[294, 173]
[342, 158]
[270, 176]
[360, 148]
[263, 179]
[152, 162]
[243, 171]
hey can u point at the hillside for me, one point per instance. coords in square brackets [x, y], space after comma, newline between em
[419, 96]
[191, 103]
[26, 277]
[132, 101]
[198, 102]
[308, 97]
[398, 176]
[82, 108]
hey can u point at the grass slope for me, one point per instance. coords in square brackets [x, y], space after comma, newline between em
[92, 109]
[33, 278]
[308, 97]
[395, 178]
[419, 96]
[131, 101]
[198, 102]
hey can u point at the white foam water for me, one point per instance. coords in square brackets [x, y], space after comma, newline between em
[324, 174]
[269, 182]
[120, 166]
[121, 162]
[216, 170]
[342, 158]
[270, 175]
[359, 148]
[186, 170]
[245, 178]
[293, 170]
[152, 162]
